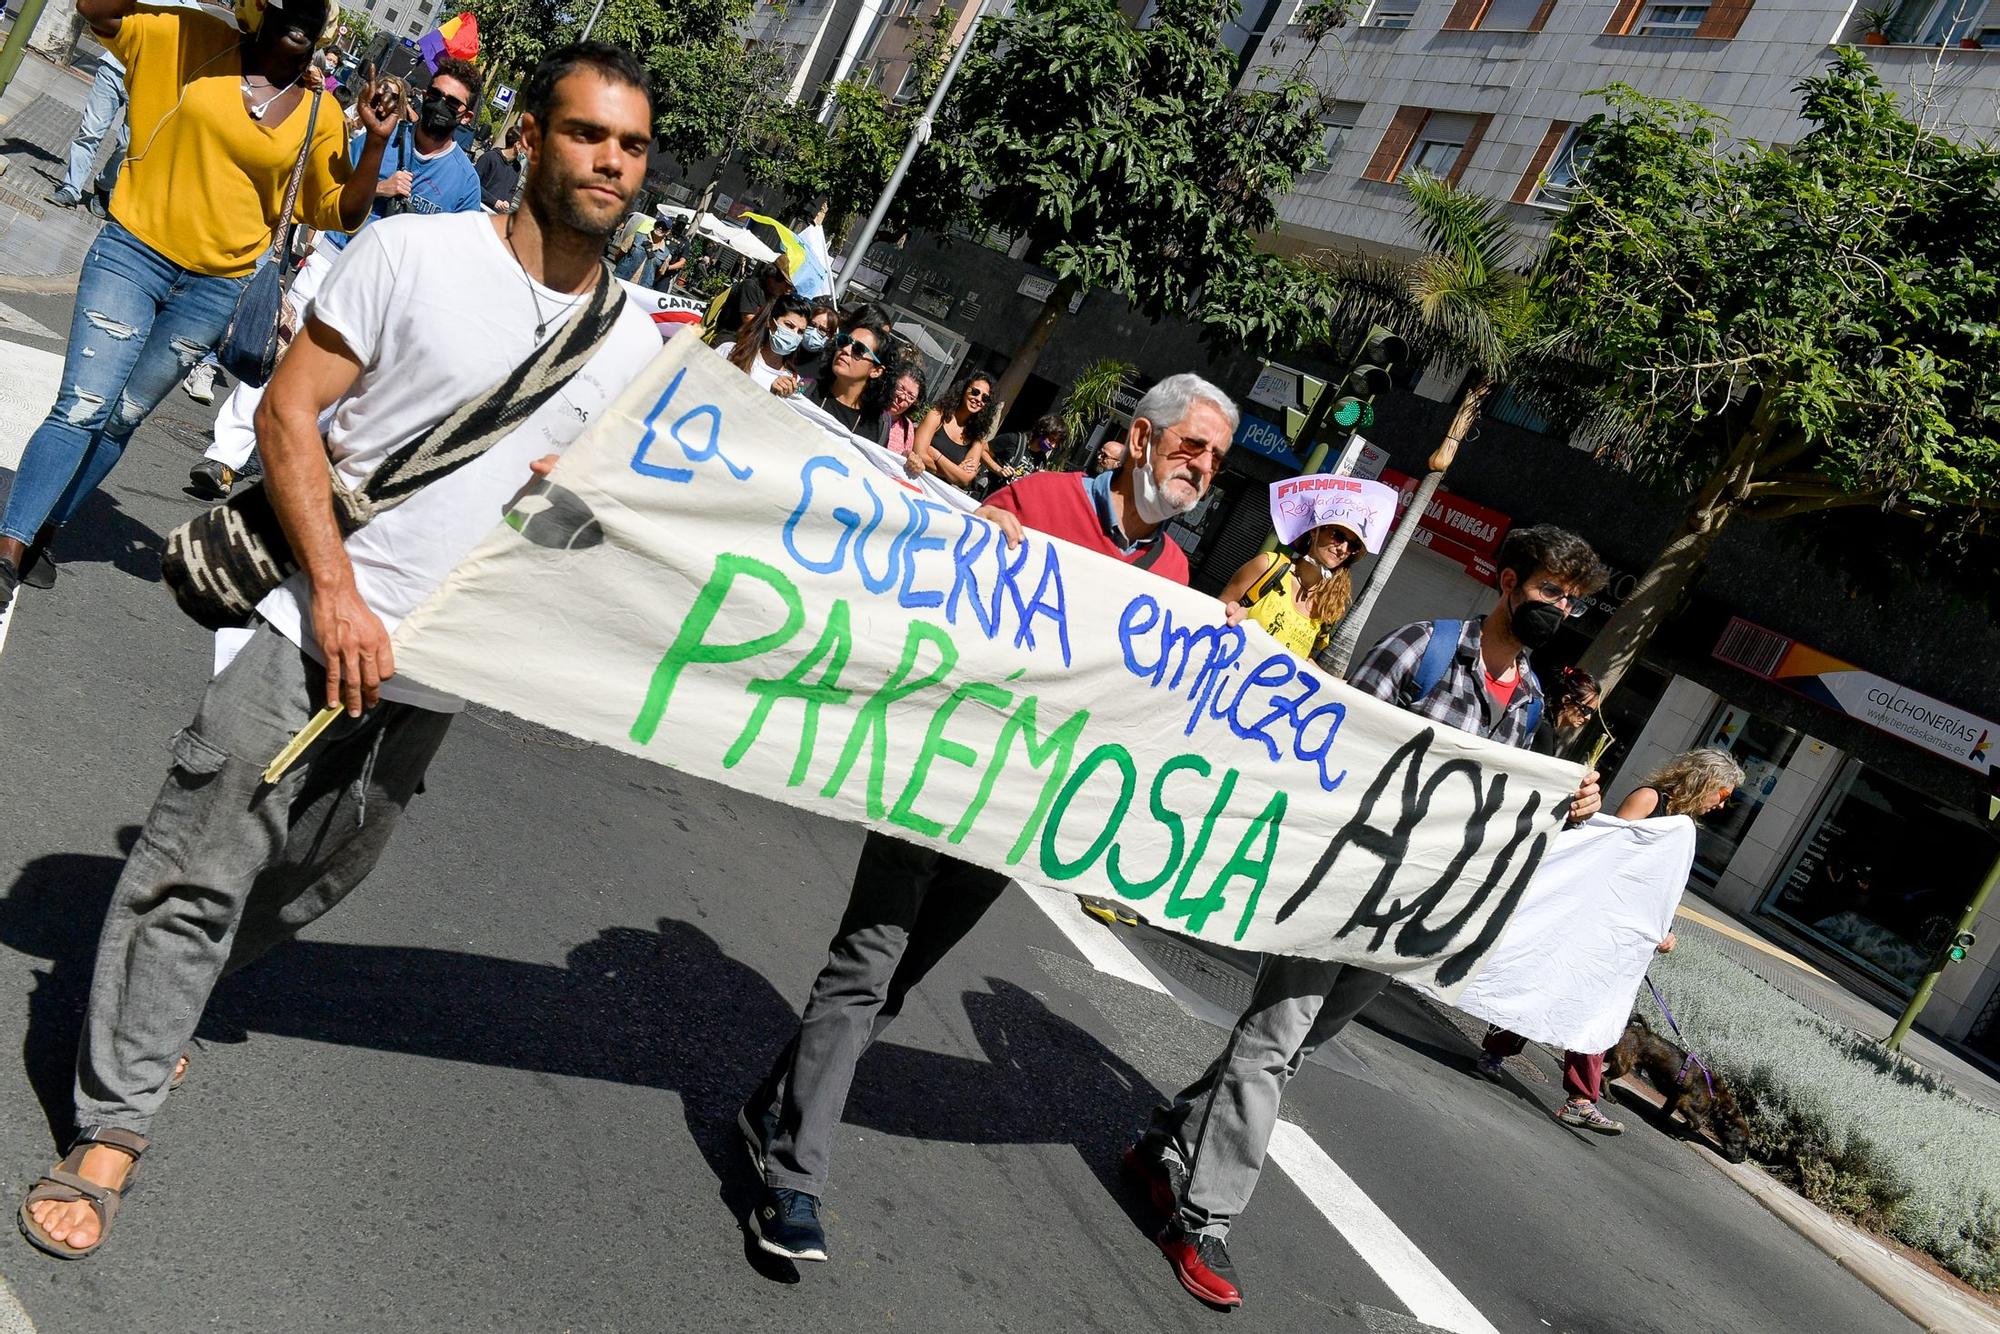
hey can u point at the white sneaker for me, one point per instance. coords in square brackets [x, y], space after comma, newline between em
[200, 383]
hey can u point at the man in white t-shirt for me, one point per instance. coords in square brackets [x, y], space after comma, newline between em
[418, 318]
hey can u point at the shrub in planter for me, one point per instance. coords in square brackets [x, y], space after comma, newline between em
[1851, 1126]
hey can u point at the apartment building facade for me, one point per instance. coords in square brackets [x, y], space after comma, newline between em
[1489, 93]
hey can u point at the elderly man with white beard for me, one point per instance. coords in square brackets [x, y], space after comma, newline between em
[911, 905]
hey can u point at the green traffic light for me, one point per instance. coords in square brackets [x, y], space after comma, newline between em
[1957, 954]
[1352, 412]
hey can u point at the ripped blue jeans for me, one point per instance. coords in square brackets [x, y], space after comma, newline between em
[141, 322]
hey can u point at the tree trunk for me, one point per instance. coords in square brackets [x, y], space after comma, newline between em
[1348, 637]
[56, 33]
[1656, 596]
[1029, 350]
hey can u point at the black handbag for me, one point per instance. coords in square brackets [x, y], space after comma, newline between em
[251, 344]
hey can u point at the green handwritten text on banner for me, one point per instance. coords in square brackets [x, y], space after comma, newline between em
[715, 584]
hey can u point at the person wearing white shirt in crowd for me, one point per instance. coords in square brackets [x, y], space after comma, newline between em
[770, 350]
[228, 865]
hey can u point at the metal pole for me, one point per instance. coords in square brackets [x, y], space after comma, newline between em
[17, 41]
[1966, 922]
[593, 21]
[866, 237]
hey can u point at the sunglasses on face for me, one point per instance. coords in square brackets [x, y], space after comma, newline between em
[975, 395]
[437, 95]
[854, 347]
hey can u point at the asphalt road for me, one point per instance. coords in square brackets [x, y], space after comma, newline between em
[495, 1090]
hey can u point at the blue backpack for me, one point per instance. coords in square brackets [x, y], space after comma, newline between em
[1437, 660]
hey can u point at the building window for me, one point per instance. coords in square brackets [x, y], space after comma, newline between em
[1336, 126]
[1512, 16]
[1558, 184]
[1390, 14]
[417, 28]
[906, 87]
[389, 17]
[1440, 143]
[424, 9]
[1846, 886]
[1670, 20]
[1946, 22]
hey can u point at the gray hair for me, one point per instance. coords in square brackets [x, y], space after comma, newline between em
[1166, 404]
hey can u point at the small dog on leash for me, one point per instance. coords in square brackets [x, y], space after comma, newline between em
[1705, 1103]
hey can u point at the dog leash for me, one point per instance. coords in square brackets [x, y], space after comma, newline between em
[1692, 1061]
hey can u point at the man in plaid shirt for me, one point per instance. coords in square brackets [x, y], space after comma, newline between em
[1201, 1157]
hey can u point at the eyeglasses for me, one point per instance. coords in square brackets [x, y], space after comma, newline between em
[854, 347]
[975, 395]
[1571, 603]
[439, 95]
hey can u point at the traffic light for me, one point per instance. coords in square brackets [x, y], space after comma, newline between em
[1960, 943]
[1370, 374]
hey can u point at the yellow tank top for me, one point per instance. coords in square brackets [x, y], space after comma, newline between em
[203, 182]
[1284, 622]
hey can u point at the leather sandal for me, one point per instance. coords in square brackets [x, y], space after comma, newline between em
[64, 1184]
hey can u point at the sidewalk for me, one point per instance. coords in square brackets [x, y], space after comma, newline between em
[41, 244]
[1766, 955]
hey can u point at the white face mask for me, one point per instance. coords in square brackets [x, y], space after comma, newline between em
[1152, 499]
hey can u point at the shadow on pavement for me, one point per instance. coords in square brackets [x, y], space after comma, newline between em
[664, 1009]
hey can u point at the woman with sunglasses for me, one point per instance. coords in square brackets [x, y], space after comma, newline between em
[951, 440]
[854, 388]
[1575, 708]
[769, 349]
[1298, 601]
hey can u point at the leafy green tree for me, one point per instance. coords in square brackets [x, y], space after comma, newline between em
[1127, 156]
[1089, 401]
[692, 48]
[1771, 333]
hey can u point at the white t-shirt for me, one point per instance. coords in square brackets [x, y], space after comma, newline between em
[762, 371]
[436, 310]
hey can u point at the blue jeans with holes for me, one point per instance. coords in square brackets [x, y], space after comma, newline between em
[141, 323]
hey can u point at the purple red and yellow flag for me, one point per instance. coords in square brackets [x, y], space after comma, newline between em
[456, 37]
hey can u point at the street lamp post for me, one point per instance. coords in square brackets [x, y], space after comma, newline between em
[918, 136]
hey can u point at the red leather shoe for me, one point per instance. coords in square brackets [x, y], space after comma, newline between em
[1202, 1265]
[1162, 1177]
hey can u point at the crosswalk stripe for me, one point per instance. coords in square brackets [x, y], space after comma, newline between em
[1403, 1269]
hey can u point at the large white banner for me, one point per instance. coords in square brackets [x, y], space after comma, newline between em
[713, 585]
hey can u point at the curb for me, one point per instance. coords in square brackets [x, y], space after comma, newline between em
[1932, 1303]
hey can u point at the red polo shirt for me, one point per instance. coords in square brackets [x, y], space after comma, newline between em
[1061, 505]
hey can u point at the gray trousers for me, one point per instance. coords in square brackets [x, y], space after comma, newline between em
[1220, 1126]
[908, 908]
[226, 866]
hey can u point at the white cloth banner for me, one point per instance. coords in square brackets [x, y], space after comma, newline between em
[707, 583]
[1578, 947]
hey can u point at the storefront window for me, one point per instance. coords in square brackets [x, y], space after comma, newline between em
[1763, 748]
[1882, 874]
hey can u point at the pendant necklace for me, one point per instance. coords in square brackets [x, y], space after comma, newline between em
[541, 321]
[257, 109]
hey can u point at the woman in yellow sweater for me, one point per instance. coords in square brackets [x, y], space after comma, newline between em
[218, 118]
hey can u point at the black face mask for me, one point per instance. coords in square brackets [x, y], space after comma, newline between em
[436, 117]
[1536, 623]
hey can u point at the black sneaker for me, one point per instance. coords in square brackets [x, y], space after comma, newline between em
[209, 480]
[38, 568]
[100, 206]
[10, 579]
[786, 1222]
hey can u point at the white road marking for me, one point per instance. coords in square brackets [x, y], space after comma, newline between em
[14, 321]
[13, 1318]
[1405, 1270]
[26, 391]
[1417, 1283]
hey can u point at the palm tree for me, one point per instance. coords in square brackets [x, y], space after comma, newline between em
[1463, 302]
